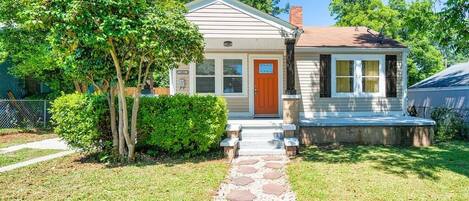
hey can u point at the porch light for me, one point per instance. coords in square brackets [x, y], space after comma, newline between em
[227, 43]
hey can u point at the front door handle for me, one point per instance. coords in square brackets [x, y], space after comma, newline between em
[255, 91]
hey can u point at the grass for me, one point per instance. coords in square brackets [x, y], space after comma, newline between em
[382, 173]
[11, 137]
[73, 178]
[23, 155]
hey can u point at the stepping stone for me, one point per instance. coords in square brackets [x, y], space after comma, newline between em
[272, 175]
[242, 181]
[248, 162]
[240, 195]
[274, 189]
[247, 170]
[272, 158]
[274, 165]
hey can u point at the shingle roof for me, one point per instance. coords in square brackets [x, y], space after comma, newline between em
[344, 37]
[454, 76]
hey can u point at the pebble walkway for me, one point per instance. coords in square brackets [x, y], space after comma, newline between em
[257, 178]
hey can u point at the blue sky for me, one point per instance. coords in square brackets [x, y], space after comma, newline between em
[316, 12]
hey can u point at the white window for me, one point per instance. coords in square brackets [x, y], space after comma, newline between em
[358, 75]
[221, 74]
[205, 77]
[232, 76]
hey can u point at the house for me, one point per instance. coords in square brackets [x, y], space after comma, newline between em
[325, 84]
[20, 88]
[448, 88]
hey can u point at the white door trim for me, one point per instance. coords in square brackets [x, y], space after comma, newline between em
[279, 58]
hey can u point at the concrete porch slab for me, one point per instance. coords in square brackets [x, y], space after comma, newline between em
[366, 121]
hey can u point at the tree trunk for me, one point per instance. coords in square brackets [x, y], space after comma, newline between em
[152, 83]
[112, 111]
[123, 114]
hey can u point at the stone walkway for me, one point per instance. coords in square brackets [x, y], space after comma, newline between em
[257, 178]
[55, 143]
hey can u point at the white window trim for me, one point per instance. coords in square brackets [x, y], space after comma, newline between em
[219, 57]
[357, 92]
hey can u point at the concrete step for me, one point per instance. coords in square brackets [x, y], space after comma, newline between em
[261, 152]
[261, 144]
[265, 134]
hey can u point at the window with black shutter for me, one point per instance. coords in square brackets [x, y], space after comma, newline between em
[325, 76]
[391, 76]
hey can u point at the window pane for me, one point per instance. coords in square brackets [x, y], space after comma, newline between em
[344, 68]
[344, 85]
[206, 68]
[233, 85]
[205, 85]
[370, 68]
[371, 85]
[233, 67]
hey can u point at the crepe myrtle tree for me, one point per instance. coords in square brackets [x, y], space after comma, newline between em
[138, 36]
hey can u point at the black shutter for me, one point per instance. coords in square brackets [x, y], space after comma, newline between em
[325, 76]
[391, 76]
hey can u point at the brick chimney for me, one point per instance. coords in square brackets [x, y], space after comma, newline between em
[296, 16]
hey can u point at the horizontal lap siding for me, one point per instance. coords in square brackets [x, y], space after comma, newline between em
[219, 20]
[238, 104]
[308, 85]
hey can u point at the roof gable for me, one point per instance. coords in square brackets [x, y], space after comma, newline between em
[234, 13]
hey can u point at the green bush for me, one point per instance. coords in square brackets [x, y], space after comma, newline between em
[181, 123]
[79, 120]
[449, 124]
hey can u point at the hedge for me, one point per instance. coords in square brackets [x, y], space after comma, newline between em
[179, 124]
[79, 119]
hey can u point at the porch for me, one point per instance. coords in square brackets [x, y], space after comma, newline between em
[272, 136]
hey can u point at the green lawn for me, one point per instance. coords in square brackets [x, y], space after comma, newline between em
[16, 138]
[382, 173]
[73, 178]
[24, 154]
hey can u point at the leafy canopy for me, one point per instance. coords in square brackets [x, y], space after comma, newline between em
[412, 23]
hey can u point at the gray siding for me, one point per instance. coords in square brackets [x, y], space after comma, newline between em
[222, 21]
[457, 99]
[308, 86]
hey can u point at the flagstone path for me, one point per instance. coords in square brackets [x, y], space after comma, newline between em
[257, 178]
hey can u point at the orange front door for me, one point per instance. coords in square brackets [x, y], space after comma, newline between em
[266, 87]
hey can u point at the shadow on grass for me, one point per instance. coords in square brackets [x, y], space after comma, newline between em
[147, 160]
[402, 161]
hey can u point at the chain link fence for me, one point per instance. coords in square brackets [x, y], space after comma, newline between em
[24, 113]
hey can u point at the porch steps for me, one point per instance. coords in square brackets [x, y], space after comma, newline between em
[261, 138]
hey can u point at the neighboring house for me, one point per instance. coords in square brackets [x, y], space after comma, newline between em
[448, 88]
[19, 87]
[310, 76]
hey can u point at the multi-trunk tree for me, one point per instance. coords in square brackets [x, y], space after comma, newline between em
[113, 45]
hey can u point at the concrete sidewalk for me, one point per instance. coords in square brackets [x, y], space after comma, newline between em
[55, 143]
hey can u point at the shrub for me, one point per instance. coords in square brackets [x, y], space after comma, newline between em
[182, 123]
[79, 119]
[449, 124]
[172, 124]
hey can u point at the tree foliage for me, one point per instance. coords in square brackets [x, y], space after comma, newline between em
[415, 24]
[111, 44]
